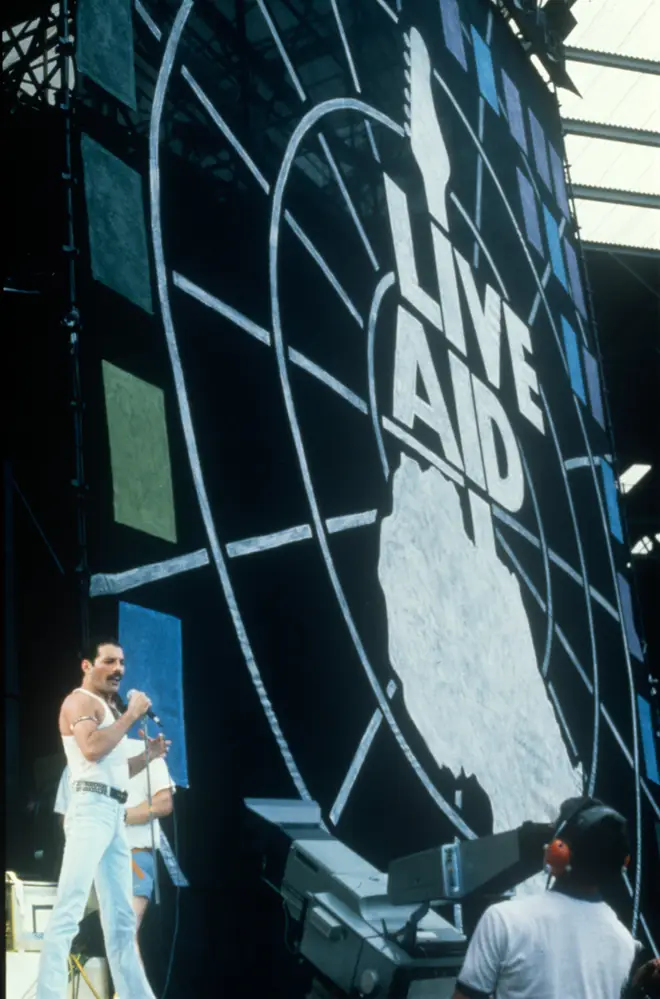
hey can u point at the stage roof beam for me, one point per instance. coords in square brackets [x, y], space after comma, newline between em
[636, 198]
[599, 130]
[616, 60]
[621, 249]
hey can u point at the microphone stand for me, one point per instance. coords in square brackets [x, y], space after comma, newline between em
[151, 817]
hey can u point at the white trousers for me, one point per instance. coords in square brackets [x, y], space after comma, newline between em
[96, 851]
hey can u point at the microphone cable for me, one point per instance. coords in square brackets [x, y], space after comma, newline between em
[177, 900]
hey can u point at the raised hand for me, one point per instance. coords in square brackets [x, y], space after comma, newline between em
[426, 139]
[156, 748]
[138, 704]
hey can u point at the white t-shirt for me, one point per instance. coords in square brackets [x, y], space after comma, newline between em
[549, 946]
[138, 836]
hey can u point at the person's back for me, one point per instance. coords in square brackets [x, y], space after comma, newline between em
[549, 946]
[566, 943]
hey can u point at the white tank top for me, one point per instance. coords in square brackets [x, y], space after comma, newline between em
[112, 769]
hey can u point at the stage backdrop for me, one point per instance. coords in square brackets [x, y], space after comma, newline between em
[384, 508]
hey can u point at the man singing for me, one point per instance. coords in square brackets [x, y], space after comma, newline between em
[139, 818]
[96, 849]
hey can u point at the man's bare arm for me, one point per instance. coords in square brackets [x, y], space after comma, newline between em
[161, 805]
[81, 716]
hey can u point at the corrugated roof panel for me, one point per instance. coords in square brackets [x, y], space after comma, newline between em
[620, 224]
[631, 27]
[615, 97]
[620, 165]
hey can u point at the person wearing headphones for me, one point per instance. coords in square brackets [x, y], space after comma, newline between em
[565, 942]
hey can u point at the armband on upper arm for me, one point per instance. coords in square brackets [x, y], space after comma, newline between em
[84, 718]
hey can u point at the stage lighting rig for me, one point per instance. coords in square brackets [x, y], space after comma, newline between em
[542, 31]
[368, 934]
[558, 22]
[529, 7]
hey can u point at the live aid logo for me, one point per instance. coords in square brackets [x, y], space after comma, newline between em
[469, 443]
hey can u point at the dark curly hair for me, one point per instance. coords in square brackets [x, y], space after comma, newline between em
[91, 649]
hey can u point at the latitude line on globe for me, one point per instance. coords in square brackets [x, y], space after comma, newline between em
[281, 49]
[573, 658]
[261, 334]
[515, 525]
[341, 184]
[220, 123]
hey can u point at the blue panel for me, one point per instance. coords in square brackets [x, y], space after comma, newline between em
[485, 71]
[612, 500]
[648, 739]
[514, 111]
[574, 277]
[540, 150]
[573, 358]
[152, 645]
[554, 242]
[453, 30]
[530, 211]
[632, 637]
[593, 386]
[558, 180]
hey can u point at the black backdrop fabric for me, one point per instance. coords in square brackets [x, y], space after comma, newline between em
[307, 633]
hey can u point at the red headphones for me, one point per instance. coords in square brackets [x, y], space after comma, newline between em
[558, 854]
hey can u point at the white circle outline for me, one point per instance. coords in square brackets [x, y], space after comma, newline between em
[304, 125]
[163, 79]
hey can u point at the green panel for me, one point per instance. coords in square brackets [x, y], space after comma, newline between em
[139, 453]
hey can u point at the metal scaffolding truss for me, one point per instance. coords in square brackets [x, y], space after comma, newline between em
[31, 63]
[233, 58]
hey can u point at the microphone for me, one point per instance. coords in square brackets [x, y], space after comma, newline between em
[150, 714]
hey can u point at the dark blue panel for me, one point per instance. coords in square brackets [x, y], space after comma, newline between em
[574, 277]
[634, 643]
[104, 50]
[612, 500]
[554, 243]
[152, 645]
[573, 358]
[648, 739]
[558, 180]
[530, 211]
[593, 386]
[514, 111]
[117, 231]
[540, 150]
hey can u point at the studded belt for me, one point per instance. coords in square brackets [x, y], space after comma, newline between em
[97, 788]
